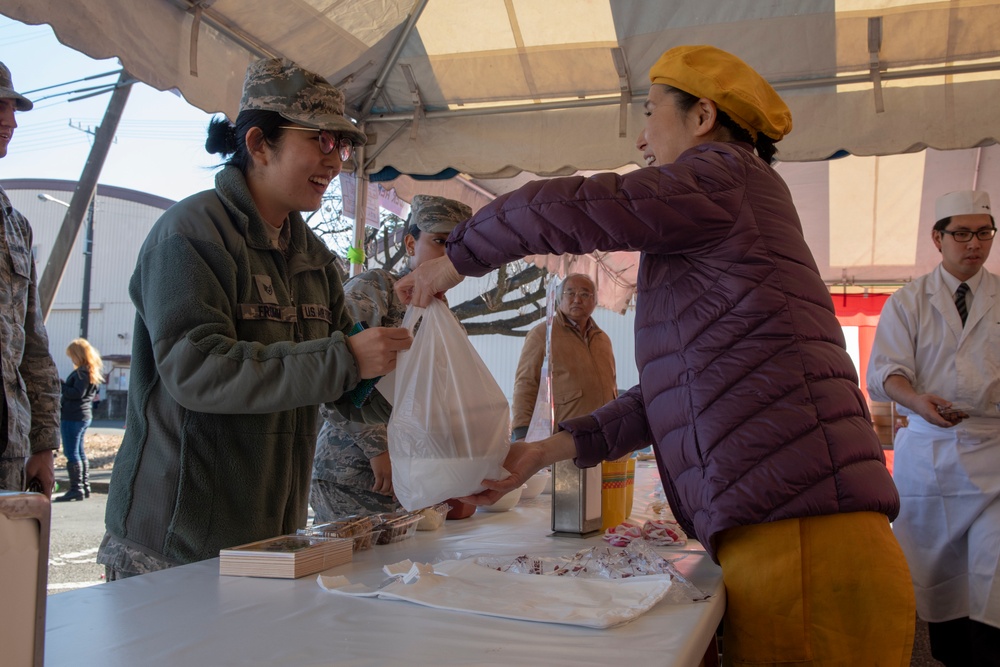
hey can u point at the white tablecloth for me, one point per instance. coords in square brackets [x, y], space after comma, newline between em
[191, 616]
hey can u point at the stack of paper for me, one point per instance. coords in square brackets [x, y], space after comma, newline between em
[286, 557]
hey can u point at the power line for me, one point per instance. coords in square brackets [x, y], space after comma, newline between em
[55, 133]
[66, 83]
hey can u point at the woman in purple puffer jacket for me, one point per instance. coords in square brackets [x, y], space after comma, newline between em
[762, 436]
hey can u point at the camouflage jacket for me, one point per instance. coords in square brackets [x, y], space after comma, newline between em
[345, 447]
[30, 379]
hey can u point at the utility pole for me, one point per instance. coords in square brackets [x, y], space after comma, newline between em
[88, 258]
[88, 250]
[83, 197]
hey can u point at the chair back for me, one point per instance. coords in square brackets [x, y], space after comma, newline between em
[24, 569]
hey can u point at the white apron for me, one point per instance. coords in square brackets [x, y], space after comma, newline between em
[949, 519]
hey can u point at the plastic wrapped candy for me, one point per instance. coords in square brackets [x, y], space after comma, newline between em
[623, 534]
[663, 532]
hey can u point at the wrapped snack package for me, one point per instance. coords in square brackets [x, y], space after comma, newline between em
[660, 532]
[622, 534]
[663, 533]
[433, 517]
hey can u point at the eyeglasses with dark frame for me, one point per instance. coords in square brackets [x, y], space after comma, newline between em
[964, 235]
[328, 141]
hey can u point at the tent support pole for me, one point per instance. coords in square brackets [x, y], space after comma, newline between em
[360, 205]
[390, 62]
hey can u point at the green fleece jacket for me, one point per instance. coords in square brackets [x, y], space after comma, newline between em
[235, 346]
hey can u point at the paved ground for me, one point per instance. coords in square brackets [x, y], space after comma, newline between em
[77, 529]
[922, 649]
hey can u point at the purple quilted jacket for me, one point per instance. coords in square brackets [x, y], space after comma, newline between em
[745, 387]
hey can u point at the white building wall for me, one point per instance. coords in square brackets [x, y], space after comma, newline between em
[122, 219]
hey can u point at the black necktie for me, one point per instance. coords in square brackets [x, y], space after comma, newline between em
[960, 293]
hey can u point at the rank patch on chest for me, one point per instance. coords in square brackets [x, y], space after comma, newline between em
[265, 290]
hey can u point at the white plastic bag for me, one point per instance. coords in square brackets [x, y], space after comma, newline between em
[543, 421]
[450, 423]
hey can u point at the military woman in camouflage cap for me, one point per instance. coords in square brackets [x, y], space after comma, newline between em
[240, 333]
[352, 473]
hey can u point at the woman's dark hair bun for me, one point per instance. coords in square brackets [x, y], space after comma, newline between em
[221, 137]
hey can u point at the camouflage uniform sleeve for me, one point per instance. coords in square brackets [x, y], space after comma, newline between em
[369, 438]
[372, 440]
[41, 378]
[339, 444]
[369, 298]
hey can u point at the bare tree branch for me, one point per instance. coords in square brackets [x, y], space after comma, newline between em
[507, 327]
[478, 307]
[519, 287]
[491, 300]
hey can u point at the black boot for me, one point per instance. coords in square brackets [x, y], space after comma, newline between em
[85, 478]
[75, 472]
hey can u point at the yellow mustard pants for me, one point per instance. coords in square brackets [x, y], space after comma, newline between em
[826, 590]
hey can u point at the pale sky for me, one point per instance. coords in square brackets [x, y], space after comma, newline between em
[160, 140]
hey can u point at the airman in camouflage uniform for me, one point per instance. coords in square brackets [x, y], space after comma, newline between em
[29, 414]
[347, 453]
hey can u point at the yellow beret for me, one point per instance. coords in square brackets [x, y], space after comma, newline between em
[734, 86]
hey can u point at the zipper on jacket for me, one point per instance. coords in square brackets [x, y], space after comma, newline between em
[282, 265]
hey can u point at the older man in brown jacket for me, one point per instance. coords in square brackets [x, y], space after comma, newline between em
[583, 363]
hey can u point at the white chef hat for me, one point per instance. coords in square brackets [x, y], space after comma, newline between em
[962, 202]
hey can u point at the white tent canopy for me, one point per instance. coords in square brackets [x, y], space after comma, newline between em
[493, 87]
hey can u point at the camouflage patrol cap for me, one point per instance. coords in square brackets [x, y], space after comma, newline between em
[298, 95]
[437, 215]
[21, 103]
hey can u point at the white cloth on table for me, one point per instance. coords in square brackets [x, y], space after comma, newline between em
[461, 585]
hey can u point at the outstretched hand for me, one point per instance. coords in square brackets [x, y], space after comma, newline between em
[931, 407]
[523, 460]
[938, 411]
[428, 281]
[375, 349]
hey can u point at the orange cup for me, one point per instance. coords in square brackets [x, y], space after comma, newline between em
[613, 492]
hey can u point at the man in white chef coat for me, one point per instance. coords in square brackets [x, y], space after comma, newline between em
[937, 355]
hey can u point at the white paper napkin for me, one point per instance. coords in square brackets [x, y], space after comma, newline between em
[461, 585]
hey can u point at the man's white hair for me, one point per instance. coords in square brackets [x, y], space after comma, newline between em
[562, 285]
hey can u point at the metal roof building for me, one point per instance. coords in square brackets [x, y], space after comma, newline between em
[122, 219]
